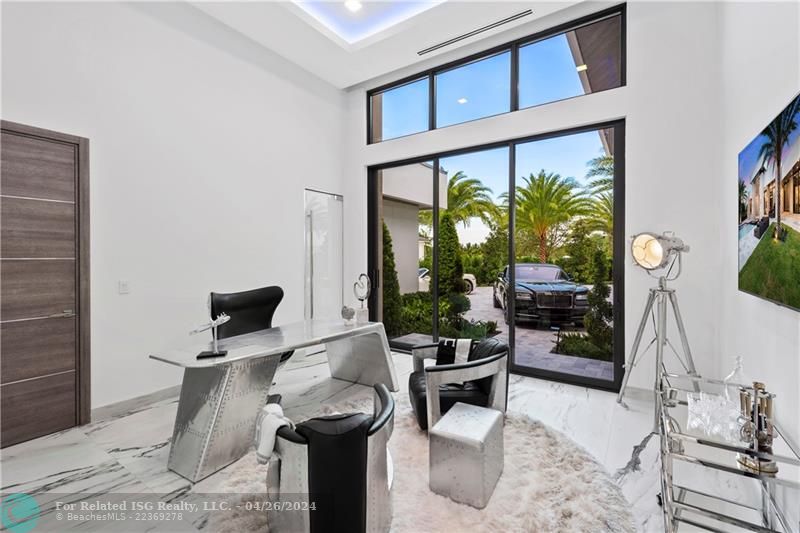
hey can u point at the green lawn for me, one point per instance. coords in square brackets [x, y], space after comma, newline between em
[773, 271]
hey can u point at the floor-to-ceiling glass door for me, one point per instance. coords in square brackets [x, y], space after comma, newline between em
[522, 240]
[566, 225]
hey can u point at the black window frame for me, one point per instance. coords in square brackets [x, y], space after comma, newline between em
[619, 252]
[512, 47]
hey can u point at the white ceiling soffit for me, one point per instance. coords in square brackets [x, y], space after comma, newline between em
[291, 31]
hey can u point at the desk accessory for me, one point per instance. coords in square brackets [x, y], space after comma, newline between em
[362, 289]
[212, 325]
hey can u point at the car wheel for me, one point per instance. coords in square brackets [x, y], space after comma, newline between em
[505, 314]
[495, 301]
[468, 288]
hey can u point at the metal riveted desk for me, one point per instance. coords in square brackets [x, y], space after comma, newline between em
[221, 397]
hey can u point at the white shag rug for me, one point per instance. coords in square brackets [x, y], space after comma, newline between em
[549, 484]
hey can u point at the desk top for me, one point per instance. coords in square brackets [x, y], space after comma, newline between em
[267, 342]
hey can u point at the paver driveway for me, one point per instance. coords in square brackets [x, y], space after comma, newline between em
[534, 344]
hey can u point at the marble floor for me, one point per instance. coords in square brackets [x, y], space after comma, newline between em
[125, 449]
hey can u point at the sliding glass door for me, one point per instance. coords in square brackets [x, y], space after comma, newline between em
[564, 256]
[519, 240]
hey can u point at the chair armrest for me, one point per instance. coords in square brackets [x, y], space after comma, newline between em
[383, 409]
[470, 371]
[422, 352]
[285, 432]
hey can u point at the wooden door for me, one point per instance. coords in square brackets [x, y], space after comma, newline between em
[44, 283]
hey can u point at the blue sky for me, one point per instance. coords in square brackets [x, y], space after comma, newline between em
[547, 73]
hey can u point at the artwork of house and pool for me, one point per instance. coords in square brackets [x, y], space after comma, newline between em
[769, 211]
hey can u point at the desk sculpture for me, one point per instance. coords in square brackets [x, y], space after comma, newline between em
[215, 322]
[362, 289]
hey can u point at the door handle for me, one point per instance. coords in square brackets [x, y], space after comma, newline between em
[66, 313]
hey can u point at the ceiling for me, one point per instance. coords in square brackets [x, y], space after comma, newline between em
[352, 21]
[348, 48]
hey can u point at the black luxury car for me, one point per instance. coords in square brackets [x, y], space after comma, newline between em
[544, 293]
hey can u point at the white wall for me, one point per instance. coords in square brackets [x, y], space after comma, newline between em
[671, 111]
[201, 145]
[760, 75]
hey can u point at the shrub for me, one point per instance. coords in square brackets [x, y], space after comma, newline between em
[598, 318]
[597, 342]
[451, 269]
[417, 317]
[392, 306]
[580, 259]
[458, 304]
[579, 345]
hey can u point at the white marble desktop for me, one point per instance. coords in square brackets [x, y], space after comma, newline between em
[127, 451]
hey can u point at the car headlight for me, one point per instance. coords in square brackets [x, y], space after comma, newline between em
[524, 296]
[580, 298]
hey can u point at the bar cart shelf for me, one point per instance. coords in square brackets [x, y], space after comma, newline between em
[703, 484]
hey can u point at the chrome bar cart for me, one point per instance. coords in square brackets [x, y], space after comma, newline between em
[704, 485]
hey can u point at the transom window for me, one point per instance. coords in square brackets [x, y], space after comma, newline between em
[583, 57]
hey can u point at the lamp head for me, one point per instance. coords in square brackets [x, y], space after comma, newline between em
[652, 252]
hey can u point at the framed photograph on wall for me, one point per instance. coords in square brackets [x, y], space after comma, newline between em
[769, 210]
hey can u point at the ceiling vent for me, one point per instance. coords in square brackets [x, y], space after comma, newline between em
[472, 33]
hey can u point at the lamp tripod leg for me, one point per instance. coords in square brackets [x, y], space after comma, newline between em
[636, 343]
[661, 341]
[673, 298]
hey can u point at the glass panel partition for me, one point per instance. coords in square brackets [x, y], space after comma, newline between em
[407, 206]
[473, 244]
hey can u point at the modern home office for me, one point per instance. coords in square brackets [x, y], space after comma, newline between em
[408, 267]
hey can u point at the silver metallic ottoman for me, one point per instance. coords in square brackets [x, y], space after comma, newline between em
[466, 454]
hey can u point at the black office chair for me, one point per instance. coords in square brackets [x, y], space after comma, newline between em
[341, 464]
[481, 381]
[249, 311]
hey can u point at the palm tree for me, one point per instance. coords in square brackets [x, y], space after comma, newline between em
[601, 214]
[602, 170]
[777, 137]
[466, 198]
[742, 201]
[545, 204]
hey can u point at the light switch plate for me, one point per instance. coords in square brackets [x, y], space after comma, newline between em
[123, 287]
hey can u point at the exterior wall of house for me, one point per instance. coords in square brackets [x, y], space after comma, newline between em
[412, 184]
[402, 219]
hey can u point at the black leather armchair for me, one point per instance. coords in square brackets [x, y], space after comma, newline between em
[481, 381]
[341, 463]
[249, 311]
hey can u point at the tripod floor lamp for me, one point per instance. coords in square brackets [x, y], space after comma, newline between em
[659, 255]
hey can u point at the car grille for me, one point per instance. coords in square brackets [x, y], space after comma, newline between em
[553, 300]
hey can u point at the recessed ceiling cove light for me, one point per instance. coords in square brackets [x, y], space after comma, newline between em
[581, 68]
[462, 100]
[352, 5]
